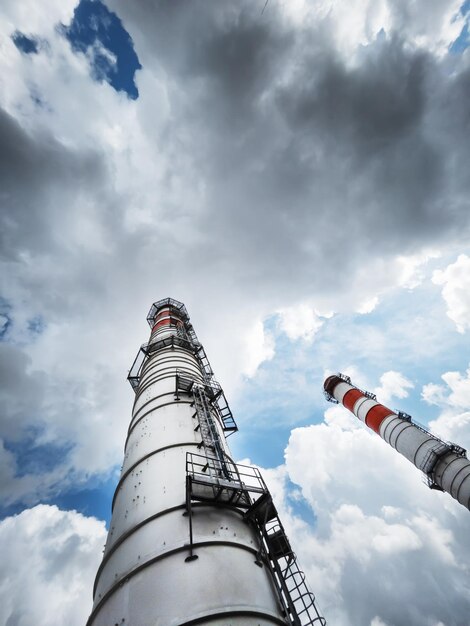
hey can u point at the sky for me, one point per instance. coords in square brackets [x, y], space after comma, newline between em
[295, 172]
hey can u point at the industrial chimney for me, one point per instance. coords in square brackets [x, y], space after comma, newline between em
[445, 465]
[194, 537]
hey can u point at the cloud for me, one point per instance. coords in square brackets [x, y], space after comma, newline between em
[29, 18]
[300, 322]
[48, 554]
[455, 281]
[392, 384]
[413, 268]
[37, 174]
[370, 121]
[260, 345]
[453, 398]
[377, 622]
[368, 305]
[432, 25]
[15, 378]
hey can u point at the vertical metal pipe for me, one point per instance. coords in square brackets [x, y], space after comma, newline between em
[445, 465]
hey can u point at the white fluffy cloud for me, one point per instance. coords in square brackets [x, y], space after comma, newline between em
[368, 305]
[49, 560]
[300, 322]
[413, 266]
[31, 18]
[392, 384]
[433, 25]
[455, 281]
[453, 398]
[259, 345]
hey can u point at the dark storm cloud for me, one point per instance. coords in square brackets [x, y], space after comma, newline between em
[305, 157]
[238, 63]
[372, 117]
[368, 106]
[21, 392]
[49, 193]
[39, 182]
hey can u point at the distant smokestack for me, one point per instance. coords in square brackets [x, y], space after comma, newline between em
[445, 464]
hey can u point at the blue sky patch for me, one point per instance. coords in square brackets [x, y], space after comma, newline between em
[25, 44]
[463, 40]
[32, 458]
[299, 505]
[99, 32]
[92, 499]
[263, 445]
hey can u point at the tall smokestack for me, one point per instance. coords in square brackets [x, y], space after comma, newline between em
[445, 464]
[194, 538]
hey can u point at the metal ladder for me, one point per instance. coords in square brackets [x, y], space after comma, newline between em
[206, 425]
[181, 332]
[296, 598]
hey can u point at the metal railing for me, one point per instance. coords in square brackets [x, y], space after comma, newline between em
[206, 470]
[166, 302]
